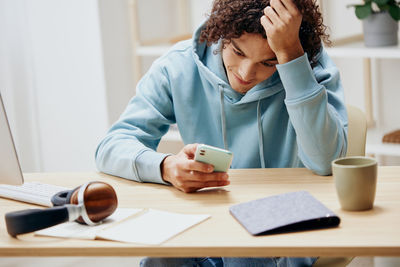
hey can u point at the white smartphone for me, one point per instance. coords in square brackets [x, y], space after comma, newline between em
[220, 158]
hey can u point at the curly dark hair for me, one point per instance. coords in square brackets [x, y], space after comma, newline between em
[231, 18]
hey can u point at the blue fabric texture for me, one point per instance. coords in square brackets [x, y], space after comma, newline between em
[295, 118]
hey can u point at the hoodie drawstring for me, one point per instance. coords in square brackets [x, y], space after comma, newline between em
[223, 125]
[260, 134]
[223, 118]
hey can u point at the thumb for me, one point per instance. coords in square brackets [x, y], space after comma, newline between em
[190, 150]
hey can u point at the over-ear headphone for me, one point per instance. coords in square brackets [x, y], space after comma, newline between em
[88, 204]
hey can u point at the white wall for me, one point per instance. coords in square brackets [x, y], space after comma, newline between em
[17, 82]
[341, 20]
[199, 10]
[116, 29]
[53, 81]
[163, 22]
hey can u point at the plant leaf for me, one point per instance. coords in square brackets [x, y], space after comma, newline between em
[384, 7]
[363, 11]
[381, 2]
[394, 11]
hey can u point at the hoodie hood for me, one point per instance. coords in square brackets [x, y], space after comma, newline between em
[209, 62]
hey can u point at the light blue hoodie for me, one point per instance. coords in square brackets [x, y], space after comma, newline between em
[295, 118]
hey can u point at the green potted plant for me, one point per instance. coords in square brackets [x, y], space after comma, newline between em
[380, 21]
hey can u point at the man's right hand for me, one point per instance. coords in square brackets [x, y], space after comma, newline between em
[188, 175]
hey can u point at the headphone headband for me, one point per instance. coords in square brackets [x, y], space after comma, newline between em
[81, 203]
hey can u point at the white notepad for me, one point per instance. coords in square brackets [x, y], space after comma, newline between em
[143, 226]
[83, 231]
[153, 227]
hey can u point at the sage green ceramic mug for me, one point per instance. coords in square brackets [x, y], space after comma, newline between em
[355, 181]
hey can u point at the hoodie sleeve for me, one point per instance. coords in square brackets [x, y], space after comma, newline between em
[128, 149]
[315, 103]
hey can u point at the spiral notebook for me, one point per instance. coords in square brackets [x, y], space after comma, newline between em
[289, 212]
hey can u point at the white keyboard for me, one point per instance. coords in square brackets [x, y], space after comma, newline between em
[31, 192]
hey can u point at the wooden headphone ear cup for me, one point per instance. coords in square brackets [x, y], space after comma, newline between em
[70, 193]
[100, 201]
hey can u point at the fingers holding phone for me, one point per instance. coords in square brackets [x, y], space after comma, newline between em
[185, 172]
[220, 158]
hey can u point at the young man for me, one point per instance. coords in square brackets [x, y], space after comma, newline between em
[254, 80]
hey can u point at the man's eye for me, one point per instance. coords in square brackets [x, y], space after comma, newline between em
[237, 52]
[266, 64]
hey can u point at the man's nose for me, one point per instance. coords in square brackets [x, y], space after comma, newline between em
[247, 70]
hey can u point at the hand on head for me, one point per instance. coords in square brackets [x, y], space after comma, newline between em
[281, 22]
[188, 175]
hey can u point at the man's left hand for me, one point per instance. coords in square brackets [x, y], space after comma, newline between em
[281, 22]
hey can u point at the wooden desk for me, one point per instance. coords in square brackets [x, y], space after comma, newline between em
[375, 232]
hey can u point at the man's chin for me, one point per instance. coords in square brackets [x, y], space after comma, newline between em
[241, 89]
